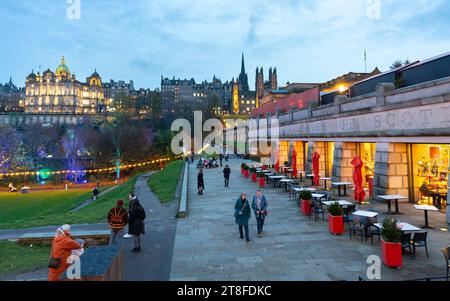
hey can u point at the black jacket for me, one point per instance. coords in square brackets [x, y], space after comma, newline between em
[200, 182]
[226, 172]
[136, 219]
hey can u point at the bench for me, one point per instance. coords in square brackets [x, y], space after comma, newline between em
[91, 238]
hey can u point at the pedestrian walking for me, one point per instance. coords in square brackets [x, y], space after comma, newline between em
[259, 206]
[200, 182]
[226, 175]
[62, 247]
[136, 217]
[221, 159]
[96, 192]
[117, 220]
[242, 214]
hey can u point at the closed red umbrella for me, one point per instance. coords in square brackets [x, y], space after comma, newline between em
[315, 161]
[277, 165]
[357, 179]
[294, 164]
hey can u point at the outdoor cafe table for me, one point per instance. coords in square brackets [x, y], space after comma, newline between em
[405, 227]
[325, 179]
[425, 209]
[339, 185]
[286, 181]
[300, 174]
[365, 213]
[310, 175]
[276, 179]
[394, 198]
[317, 196]
[343, 203]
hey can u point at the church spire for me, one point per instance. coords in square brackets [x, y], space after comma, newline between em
[243, 64]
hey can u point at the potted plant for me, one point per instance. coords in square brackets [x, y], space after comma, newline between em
[335, 219]
[242, 168]
[246, 170]
[262, 179]
[391, 248]
[254, 174]
[306, 196]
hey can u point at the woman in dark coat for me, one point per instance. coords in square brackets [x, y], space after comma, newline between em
[136, 225]
[242, 214]
[200, 182]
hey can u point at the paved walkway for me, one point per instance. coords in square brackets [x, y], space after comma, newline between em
[154, 261]
[91, 200]
[207, 245]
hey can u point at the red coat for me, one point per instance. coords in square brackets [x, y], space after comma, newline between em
[62, 247]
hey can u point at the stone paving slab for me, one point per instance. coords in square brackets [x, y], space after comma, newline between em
[207, 245]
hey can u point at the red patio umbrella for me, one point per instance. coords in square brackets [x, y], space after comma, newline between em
[277, 165]
[294, 164]
[357, 179]
[315, 161]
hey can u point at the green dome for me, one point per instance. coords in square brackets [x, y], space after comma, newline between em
[62, 68]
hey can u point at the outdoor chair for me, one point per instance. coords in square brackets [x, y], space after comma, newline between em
[318, 209]
[419, 240]
[356, 227]
[348, 217]
[446, 252]
[370, 230]
[405, 240]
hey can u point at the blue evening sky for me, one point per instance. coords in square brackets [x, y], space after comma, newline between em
[308, 41]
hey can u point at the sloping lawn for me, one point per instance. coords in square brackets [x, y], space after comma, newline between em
[54, 213]
[164, 183]
[16, 207]
[17, 258]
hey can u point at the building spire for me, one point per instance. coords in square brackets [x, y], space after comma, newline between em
[243, 64]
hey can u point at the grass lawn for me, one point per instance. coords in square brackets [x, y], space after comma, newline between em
[165, 182]
[52, 208]
[17, 259]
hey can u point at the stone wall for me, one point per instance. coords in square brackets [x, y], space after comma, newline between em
[344, 152]
[391, 169]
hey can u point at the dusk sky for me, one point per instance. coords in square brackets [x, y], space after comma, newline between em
[308, 41]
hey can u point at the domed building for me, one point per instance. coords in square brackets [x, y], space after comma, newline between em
[60, 92]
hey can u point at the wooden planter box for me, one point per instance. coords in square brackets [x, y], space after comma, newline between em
[306, 207]
[336, 224]
[391, 254]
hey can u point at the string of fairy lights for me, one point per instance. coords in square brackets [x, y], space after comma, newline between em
[86, 171]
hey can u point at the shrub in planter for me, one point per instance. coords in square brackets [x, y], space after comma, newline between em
[305, 197]
[253, 173]
[246, 170]
[242, 168]
[262, 179]
[335, 219]
[391, 248]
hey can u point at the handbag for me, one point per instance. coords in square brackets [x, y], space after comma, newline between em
[54, 263]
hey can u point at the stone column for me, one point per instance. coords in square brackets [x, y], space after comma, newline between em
[391, 169]
[344, 152]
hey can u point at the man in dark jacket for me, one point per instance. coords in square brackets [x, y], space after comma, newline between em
[136, 219]
[200, 182]
[259, 206]
[117, 220]
[226, 175]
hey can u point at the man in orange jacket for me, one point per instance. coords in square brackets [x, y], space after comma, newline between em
[62, 246]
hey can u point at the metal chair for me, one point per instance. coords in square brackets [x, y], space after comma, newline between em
[446, 252]
[405, 240]
[348, 217]
[356, 227]
[318, 209]
[419, 240]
